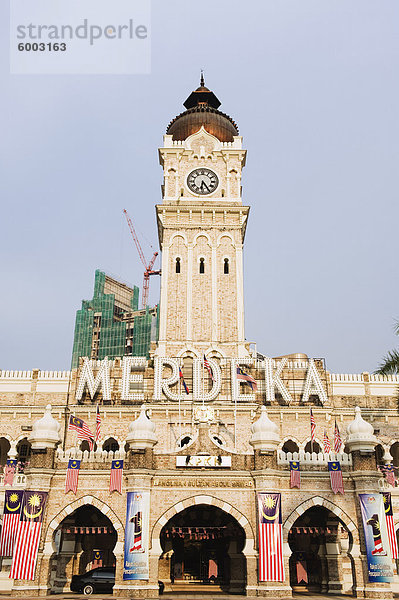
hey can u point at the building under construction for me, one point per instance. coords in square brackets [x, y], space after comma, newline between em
[111, 324]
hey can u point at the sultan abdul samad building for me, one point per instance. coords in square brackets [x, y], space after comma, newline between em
[206, 453]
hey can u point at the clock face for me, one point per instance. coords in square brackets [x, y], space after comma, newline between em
[202, 181]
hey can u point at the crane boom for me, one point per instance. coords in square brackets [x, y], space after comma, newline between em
[147, 268]
[135, 238]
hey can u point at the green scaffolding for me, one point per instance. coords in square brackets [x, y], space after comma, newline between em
[102, 317]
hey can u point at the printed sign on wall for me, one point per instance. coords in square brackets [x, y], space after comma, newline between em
[376, 537]
[136, 536]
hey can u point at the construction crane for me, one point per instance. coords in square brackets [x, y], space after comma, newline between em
[147, 268]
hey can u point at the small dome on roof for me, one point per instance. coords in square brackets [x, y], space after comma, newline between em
[141, 432]
[202, 110]
[265, 433]
[360, 434]
[45, 431]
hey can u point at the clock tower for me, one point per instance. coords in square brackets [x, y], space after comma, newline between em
[201, 226]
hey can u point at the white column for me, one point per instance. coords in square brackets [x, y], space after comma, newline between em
[240, 293]
[164, 294]
[189, 292]
[214, 315]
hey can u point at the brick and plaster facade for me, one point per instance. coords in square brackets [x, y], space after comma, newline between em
[201, 313]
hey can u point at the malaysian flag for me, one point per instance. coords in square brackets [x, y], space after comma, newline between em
[98, 424]
[72, 476]
[312, 426]
[389, 472]
[82, 429]
[9, 471]
[337, 482]
[28, 535]
[12, 512]
[271, 564]
[183, 382]
[115, 481]
[295, 474]
[97, 559]
[393, 541]
[241, 376]
[208, 368]
[326, 442]
[137, 521]
[337, 438]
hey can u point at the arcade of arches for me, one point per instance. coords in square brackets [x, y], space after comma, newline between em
[320, 561]
[78, 539]
[202, 551]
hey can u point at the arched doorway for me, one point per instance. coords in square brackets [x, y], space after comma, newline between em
[202, 551]
[84, 540]
[320, 561]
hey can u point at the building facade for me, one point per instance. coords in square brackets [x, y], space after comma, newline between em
[205, 424]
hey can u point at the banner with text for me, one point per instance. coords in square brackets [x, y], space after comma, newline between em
[376, 537]
[136, 536]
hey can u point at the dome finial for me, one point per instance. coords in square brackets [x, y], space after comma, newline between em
[202, 80]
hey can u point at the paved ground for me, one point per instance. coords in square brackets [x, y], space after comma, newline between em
[181, 596]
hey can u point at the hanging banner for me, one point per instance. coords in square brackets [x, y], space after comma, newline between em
[376, 537]
[28, 535]
[136, 536]
[271, 564]
[11, 517]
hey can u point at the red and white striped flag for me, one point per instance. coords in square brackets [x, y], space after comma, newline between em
[312, 426]
[98, 424]
[295, 474]
[82, 429]
[72, 476]
[28, 536]
[393, 540]
[337, 438]
[327, 445]
[12, 514]
[271, 564]
[208, 368]
[337, 482]
[115, 481]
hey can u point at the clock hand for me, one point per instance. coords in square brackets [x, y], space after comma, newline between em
[204, 184]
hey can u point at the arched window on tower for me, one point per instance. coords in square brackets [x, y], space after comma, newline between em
[202, 265]
[226, 266]
[177, 265]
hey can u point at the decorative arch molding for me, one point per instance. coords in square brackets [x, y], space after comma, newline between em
[198, 134]
[318, 501]
[70, 508]
[225, 235]
[217, 352]
[291, 438]
[308, 439]
[211, 501]
[202, 234]
[23, 436]
[108, 436]
[9, 438]
[188, 351]
[178, 235]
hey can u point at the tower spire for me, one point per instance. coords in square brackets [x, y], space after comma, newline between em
[202, 81]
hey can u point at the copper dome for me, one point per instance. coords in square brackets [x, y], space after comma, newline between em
[202, 109]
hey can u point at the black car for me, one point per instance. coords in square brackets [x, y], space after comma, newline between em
[95, 581]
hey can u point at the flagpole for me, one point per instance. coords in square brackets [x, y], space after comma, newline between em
[311, 434]
[203, 383]
[180, 382]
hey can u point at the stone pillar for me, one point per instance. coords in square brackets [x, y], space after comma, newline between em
[334, 560]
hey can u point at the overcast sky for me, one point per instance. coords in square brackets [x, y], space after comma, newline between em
[313, 86]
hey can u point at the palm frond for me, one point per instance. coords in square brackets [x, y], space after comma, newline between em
[396, 328]
[390, 363]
